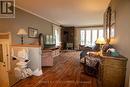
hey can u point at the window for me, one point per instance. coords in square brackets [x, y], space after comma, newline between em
[100, 33]
[94, 36]
[49, 39]
[82, 35]
[89, 36]
[56, 34]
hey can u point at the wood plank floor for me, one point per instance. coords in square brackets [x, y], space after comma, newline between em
[66, 72]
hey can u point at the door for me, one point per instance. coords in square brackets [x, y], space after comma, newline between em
[4, 80]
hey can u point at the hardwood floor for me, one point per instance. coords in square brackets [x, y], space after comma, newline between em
[66, 72]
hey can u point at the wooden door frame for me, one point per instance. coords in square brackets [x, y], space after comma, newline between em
[9, 39]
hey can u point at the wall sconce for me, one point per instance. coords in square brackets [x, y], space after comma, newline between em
[22, 33]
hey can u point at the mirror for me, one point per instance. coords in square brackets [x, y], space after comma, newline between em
[107, 23]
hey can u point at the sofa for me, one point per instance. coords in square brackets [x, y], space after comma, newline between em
[48, 56]
[89, 49]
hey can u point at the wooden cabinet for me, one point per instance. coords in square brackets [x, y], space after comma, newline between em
[67, 37]
[112, 71]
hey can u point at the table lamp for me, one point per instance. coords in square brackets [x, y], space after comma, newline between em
[101, 42]
[22, 33]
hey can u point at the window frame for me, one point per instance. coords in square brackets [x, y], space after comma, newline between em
[91, 30]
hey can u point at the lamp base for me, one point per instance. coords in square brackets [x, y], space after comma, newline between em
[101, 53]
[22, 39]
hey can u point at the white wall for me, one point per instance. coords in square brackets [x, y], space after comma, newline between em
[76, 38]
[24, 20]
[129, 81]
[122, 40]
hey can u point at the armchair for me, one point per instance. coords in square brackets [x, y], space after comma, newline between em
[89, 49]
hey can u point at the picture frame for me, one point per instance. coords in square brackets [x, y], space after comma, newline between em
[32, 32]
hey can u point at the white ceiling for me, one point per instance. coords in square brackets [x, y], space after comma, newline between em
[67, 12]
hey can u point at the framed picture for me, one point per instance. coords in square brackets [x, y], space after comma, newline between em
[32, 32]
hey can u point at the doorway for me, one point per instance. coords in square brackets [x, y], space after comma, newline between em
[4, 59]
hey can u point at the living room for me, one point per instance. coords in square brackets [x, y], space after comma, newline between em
[64, 31]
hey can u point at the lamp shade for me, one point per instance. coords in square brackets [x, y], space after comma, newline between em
[22, 32]
[100, 41]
